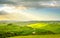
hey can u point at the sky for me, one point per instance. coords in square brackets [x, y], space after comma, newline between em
[30, 10]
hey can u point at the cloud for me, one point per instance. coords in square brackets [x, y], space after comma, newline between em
[3, 13]
[30, 0]
[32, 3]
[15, 9]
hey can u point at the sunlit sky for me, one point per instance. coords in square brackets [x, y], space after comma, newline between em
[30, 10]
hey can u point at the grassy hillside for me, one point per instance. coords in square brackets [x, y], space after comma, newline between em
[52, 26]
[8, 29]
[38, 36]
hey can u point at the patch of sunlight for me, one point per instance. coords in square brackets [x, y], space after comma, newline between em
[37, 25]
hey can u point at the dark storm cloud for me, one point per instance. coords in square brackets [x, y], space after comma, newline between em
[26, 3]
[6, 2]
[30, 0]
[3, 13]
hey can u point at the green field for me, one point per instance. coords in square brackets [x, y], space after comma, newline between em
[30, 29]
[38, 36]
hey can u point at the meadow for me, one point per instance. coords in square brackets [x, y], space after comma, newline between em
[38, 36]
[30, 29]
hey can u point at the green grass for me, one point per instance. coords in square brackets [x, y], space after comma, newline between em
[54, 27]
[38, 36]
[27, 29]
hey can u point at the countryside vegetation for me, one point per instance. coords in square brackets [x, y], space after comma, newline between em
[30, 29]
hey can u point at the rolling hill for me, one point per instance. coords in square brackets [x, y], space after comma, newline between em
[52, 26]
